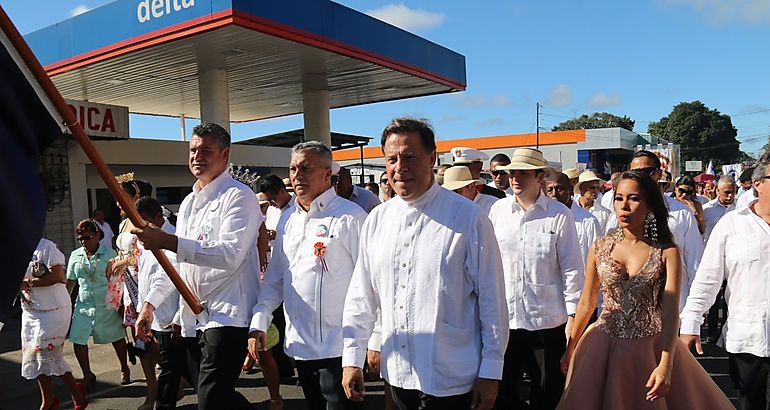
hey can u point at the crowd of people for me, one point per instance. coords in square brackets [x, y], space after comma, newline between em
[452, 290]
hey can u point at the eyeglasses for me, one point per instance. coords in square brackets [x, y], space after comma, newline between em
[84, 237]
[500, 172]
[647, 170]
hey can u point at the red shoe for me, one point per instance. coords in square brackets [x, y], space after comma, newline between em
[84, 404]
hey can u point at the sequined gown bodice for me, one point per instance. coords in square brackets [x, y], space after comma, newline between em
[632, 304]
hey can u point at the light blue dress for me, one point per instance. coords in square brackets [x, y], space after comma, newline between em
[91, 316]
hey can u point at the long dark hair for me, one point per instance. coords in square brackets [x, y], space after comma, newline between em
[654, 200]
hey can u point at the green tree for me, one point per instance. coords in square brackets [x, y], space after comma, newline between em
[702, 133]
[596, 120]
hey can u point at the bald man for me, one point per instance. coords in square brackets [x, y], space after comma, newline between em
[715, 209]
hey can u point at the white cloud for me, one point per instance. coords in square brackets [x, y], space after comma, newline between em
[482, 101]
[561, 96]
[604, 100]
[451, 118]
[492, 122]
[79, 10]
[720, 12]
[406, 18]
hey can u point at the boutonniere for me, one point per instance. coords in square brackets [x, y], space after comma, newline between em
[319, 249]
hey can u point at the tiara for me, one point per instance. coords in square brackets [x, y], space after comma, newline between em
[245, 175]
[128, 177]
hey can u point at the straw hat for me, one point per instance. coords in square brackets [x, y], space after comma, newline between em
[526, 158]
[457, 177]
[571, 173]
[586, 176]
[262, 198]
[289, 186]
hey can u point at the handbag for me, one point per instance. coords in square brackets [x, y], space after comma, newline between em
[38, 269]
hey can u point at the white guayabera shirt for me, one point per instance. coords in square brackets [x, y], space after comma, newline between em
[543, 265]
[432, 267]
[587, 227]
[739, 252]
[217, 227]
[485, 202]
[156, 287]
[313, 291]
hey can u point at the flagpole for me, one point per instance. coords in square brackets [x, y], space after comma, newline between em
[71, 122]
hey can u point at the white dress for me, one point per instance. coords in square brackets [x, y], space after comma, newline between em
[45, 320]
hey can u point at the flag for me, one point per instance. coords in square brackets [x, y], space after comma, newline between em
[710, 168]
[28, 124]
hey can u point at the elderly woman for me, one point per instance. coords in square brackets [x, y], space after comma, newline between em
[88, 268]
[45, 319]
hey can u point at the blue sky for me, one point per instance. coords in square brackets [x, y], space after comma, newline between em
[635, 58]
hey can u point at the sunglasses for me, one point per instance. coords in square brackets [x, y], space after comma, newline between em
[84, 237]
[647, 170]
[501, 172]
[683, 191]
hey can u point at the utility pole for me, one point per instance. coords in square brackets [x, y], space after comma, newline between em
[537, 127]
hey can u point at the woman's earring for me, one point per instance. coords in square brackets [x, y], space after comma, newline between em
[651, 228]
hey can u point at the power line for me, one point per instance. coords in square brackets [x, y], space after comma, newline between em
[750, 113]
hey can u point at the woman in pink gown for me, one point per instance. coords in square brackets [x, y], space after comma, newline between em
[631, 357]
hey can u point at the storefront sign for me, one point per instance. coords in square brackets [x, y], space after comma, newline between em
[101, 120]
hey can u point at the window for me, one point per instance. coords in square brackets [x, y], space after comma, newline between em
[172, 195]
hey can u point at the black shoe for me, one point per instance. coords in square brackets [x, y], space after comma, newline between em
[131, 355]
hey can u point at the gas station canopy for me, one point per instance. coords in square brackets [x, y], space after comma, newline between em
[151, 55]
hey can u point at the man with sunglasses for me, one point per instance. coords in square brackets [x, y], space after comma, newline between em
[501, 178]
[474, 160]
[681, 221]
[386, 191]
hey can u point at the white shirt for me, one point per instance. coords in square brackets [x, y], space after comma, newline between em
[485, 202]
[602, 214]
[684, 227]
[217, 227]
[156, 288]
[433, 268]
[543, 267]
[739, 252]
[607, 201]
[312, 296]
[274, 213]
[587, 226]
[713, 211]
[743, 201]
[108, 234]
[364, 198]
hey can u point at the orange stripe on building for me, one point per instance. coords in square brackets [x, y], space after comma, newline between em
[498, 142]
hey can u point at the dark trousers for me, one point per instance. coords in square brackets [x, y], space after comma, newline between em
[321, 382]
[539, 353]
[222, 353]
[417, 400]
[751, 375]
[173, 366]
[715, 322]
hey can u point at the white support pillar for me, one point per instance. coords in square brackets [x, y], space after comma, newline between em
[214, 97]
[315, 104]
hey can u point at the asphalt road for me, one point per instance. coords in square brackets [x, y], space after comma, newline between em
[18, 393]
